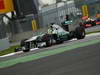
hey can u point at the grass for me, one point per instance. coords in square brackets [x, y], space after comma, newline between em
[93, 32]
[11, 49]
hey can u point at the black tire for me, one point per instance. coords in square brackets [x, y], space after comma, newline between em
[22, 43]
[80, 32]
[58, 40]
[16, 49]
[26, 50]
[47, 39]
[26, 45]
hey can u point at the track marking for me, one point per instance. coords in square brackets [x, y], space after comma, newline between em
[11, 54]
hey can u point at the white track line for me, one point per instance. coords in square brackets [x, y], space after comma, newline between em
[11, 54]
[33, 49]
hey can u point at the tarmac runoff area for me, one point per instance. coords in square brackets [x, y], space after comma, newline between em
[36, 56]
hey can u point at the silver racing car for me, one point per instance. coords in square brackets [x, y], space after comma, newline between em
[46, 40]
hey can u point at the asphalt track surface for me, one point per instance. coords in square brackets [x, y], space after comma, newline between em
[80, 61]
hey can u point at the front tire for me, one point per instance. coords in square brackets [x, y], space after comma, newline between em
[22, 43]
[25, 46]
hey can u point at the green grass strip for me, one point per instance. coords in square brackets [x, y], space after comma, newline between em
[9, 50]
[28, 58]
[93, 32]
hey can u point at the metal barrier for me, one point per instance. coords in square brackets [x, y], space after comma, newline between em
[55, 14]
[4, 44]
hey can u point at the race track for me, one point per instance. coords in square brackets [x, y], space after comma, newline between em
[80, 61]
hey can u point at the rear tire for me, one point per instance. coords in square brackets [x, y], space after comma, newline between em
[47, 39]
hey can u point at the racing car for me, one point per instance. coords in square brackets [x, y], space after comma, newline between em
[46, 40]
[89, 23]
[98, 21]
